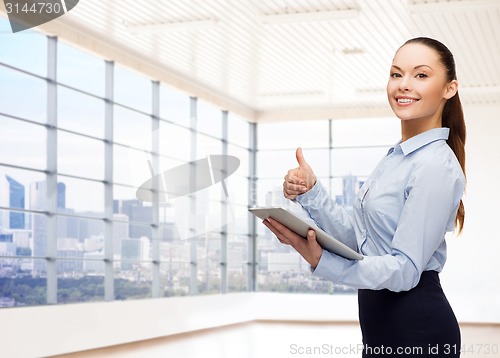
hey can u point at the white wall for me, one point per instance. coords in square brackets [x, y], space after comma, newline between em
[471, 277]
[49, 330]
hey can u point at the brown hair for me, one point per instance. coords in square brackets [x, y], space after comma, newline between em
[453, 115]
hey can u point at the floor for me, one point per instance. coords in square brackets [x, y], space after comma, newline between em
[263, 339]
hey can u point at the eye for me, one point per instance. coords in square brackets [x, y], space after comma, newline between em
[421, 75]
[395, 75]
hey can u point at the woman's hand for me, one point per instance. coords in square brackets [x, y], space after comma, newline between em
[308, 248]
[298, 180]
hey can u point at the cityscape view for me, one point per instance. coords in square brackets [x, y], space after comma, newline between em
[80, 251]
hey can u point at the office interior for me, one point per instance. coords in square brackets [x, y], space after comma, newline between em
[112, 94]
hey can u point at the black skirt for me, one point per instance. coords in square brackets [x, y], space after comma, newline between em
[414, 323]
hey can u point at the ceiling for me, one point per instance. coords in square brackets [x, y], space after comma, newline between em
[287, 59]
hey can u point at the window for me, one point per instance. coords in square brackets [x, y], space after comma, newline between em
[80, 112]
[22, 143]
[27, 52]
[174, 106]
[79, 69]
[209, 119]
[23, 96]
[80, 156]
[132, 90]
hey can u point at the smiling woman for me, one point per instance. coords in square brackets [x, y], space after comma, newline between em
[401, 214]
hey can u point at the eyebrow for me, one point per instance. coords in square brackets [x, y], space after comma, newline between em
[416, 67]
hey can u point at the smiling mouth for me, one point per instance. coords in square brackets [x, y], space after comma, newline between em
[406, 100]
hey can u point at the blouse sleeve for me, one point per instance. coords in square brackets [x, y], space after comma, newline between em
[433, 195]
[329, 216]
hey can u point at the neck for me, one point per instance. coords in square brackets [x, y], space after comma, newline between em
[412, 128]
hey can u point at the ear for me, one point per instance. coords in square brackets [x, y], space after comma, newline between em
[451, 89]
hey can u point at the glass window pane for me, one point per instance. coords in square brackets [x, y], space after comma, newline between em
[237, 262]
[80, 156]
[83, 196]
[135, 210]
[318, 159]
[143, 232]
[208, 258]
[239, 224]
[130, 166]
[356, 161]
[20, 284]
[270, 192]
[130, 241]
[16, 232]
[78, 236]
[237, 189]
[80, 69]
[175, 251]
[238, 130]
[132, 89]
[132, 128]
[26, 51]
[175, 141]
[175, 278]
[365, 132]
[73, 287]
[244, 156]
[23, 95]
[132, 279]
[80, 112]
[175, 106]
[167, 232]
[284, 135]
[168, 163]
[206, 145]
[18, 189]
[275, 164]
[209, 119]
[22, 144]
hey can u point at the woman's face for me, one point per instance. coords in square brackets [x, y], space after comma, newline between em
[417, 87]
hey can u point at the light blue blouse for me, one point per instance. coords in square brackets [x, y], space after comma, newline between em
[399, 217]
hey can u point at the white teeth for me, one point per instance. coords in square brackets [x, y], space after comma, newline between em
[406, 100]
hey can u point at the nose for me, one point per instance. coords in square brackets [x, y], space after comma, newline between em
[405, 84]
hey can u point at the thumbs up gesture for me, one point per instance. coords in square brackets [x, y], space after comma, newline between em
[299, 180]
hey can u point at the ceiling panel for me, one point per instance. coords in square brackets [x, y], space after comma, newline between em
[327, 59]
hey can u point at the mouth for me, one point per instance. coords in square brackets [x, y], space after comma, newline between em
[405, 101]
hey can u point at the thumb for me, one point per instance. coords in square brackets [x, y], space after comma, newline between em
[311, 235]
[300, 158]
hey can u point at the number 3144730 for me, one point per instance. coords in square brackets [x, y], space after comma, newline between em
[35, 8]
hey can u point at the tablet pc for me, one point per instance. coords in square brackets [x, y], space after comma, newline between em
[300, 226]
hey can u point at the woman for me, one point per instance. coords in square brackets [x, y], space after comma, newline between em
[400, 215]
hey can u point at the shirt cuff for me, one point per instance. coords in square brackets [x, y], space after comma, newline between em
[311, 196]
[331, 267]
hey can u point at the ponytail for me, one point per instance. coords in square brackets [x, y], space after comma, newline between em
[453, 115]
[453, 118]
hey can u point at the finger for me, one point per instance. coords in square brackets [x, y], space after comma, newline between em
[284, 231]
[294, 188]
[311, 236]
[294, 179]
[300, 158]
[279, 235]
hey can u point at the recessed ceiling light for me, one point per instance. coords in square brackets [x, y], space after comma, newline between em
[353, 51]
[310, 16]
[189, 25]
[301, 94]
